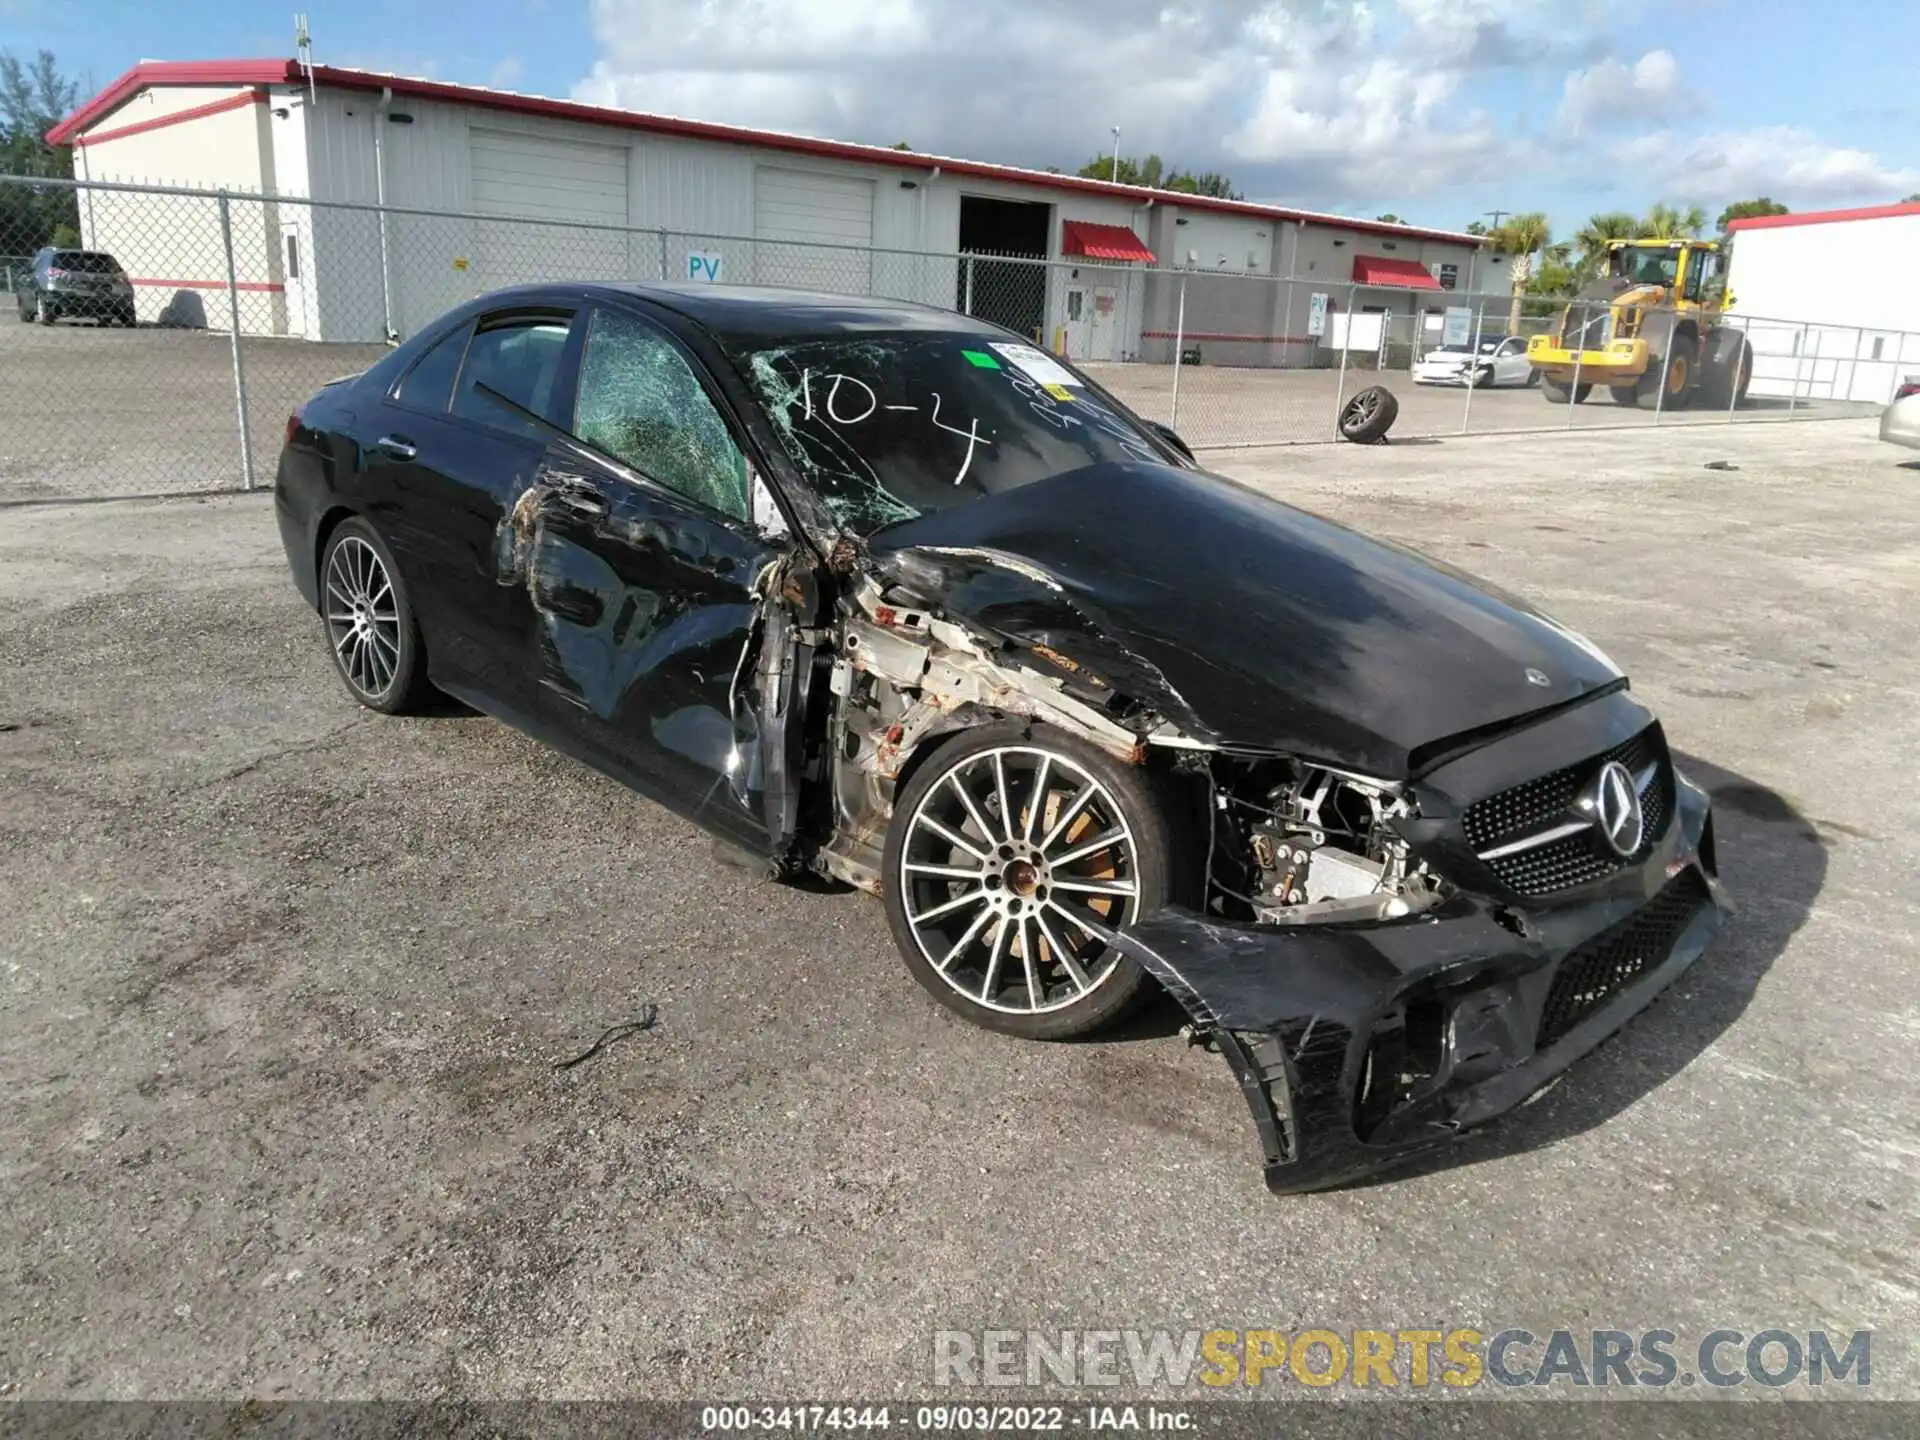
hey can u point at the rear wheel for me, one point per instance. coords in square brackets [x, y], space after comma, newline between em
[1624, 394]
[42, 311]
[1559, 394]
[1014, 851]
[370, 626]
[1729, 369]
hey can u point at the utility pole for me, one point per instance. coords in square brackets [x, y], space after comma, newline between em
[1496, 216]
[1116, 154]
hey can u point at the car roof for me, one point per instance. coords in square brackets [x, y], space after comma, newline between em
[758, 313]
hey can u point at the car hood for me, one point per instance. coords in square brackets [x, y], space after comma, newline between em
[1241, 620]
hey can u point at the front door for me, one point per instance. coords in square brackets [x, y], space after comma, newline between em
[293, 272]
[644, 570]
[1079, 323]
[1102, 324]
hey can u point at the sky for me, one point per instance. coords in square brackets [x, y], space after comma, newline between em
[1438, 111]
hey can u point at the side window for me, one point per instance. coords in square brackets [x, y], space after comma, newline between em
[641, 402]
[520, 359]
[429, 384]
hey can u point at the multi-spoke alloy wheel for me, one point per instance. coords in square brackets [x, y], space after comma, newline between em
[369, 625]
[1009, 866]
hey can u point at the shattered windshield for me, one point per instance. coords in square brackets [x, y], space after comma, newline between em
[887, 427]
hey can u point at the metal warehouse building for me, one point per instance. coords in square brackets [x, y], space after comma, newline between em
[1814, 291]
[485, 188]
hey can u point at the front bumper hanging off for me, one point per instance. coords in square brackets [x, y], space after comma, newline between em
[1361, 1046]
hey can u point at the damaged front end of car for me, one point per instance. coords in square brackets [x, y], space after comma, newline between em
[1381, 962]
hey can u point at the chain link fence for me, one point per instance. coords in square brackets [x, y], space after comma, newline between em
[172, 365]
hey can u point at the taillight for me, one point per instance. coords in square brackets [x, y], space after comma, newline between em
[293, 426]
[54, 272]
[1911, 387]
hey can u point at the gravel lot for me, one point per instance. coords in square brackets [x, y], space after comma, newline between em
[86, 413]
[284, 984]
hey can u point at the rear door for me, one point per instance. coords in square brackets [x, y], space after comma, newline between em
[446, 463]
[643, 568]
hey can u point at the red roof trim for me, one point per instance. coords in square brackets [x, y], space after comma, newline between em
[160, 122]
[1101, 242]
[288, 72]
[1823, 217]
[1389, 271]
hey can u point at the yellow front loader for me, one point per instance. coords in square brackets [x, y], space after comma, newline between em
[1649, 330]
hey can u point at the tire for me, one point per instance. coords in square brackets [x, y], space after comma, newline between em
[371, 631]
[1533, 379]
[1729, 369]
[1482, 379]
[1557, 394]
[1678, 376]
[1624, 394]
[958, 939]
[1369, 415]
[43, 312]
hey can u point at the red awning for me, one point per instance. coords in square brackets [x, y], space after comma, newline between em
[1101, 242]
[1400, 274]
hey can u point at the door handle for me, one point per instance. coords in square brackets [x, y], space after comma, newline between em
[397, 446]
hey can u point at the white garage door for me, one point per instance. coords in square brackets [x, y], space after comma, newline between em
[547, 179]
[795, 212]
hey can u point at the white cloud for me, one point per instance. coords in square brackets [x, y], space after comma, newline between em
[1790, 164]
[1326, 103]
[1612, 95]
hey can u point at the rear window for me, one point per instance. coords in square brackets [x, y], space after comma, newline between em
[86, 261]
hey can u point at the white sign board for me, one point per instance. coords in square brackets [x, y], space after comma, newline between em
[1355, 332]
[1316, 314]
[704, 265]
[1459, 327]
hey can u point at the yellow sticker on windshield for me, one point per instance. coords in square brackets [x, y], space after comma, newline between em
[1059, 392]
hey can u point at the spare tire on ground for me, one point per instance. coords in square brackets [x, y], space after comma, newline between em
[1368, 416]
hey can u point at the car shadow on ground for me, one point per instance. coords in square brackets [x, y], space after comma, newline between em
[1769, 852]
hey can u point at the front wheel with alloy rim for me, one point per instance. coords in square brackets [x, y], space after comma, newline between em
[370, 626]
[1014, 854]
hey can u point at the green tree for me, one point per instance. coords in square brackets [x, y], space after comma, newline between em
[1152, 173]
[1389, 219]
[1911, 200]
[1666, 222]
[1477, 227]
[32, 97]
[1747, 209]
[1593, 238]
[1523, 237]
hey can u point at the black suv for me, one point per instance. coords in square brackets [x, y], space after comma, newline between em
[76, 283]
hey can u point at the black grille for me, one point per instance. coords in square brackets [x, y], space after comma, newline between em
[1597, 971]
[1539, 804]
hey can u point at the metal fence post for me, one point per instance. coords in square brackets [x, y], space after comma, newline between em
[1741, 357]
[967, 307]
[1793, 385]
[663, 253]
[233, 333]
[1346, 344]
[1573, 394]
[1473, 354]
[1179, 342]
[1660, 396]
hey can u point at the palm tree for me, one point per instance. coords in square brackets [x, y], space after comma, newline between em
[1522, 236]
[1664, 222]
[1595, 235]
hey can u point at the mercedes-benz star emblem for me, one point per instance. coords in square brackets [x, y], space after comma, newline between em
[1537, 677]
[1616, 806]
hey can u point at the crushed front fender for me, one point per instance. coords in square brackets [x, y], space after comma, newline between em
[1361, 1046]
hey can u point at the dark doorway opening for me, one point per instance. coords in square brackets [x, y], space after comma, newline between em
[1002, 281]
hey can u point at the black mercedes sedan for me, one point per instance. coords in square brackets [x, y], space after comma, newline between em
[885, 594]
